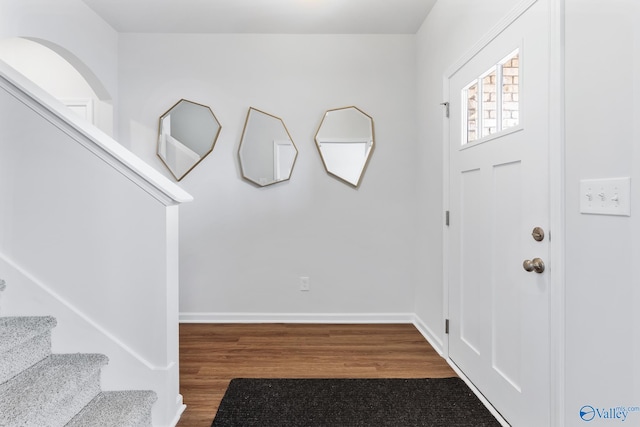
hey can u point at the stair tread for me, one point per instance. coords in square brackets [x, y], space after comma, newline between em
[43, 385]
[16, 330]
[39, 389]
[116, 409]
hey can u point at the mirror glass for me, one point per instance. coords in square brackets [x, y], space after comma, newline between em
[187, 133]
[267, 152]
[345, 142]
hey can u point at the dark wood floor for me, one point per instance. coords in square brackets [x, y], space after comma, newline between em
[212, 354]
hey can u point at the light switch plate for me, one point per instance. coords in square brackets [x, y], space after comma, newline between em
[611, 196]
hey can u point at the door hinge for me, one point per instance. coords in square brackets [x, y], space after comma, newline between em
[446, 108]
[446, 326]
[446, 218]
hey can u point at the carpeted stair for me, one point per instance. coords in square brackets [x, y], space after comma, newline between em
[40, 389]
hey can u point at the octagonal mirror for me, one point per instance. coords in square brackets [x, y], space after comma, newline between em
[267, 152]
[187, 134]
[345, 142]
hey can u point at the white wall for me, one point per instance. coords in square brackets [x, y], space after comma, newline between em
[451, 29]
[243, 248]
[74, 31]
[602, 141]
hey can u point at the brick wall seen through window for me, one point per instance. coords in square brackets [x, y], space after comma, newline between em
[492, 101]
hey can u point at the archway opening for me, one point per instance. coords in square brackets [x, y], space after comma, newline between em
[62, 75]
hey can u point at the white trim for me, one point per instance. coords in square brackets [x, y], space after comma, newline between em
[478, 394]
[428, 334]
[348, 318]
[181, 408]
[92, 138]
[446, 207]
[557, 209]
[86, 103]
[320, 318]
[491, 137]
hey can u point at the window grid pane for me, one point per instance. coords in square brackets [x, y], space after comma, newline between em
[492, 101]
[472, 112]
[511, 92]
[489, 104]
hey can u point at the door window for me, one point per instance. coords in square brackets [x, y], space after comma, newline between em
[491, 101]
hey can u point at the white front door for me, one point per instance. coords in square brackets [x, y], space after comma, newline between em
[498, 193]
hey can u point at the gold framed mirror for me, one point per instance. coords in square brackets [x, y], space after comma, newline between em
[187, 133]
[267, 153]
[345, 141]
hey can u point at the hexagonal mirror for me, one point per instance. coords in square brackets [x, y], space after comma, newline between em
[345, 142]
[187, 134]
[267, 152]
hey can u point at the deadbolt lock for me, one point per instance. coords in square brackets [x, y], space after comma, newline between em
[538, 234]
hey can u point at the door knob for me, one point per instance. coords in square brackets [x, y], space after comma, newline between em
[535, 264]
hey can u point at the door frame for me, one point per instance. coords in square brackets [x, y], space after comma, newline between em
[556, 138]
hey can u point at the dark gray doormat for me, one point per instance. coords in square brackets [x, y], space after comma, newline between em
[433, 402]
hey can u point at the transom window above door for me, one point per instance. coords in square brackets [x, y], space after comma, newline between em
[491, 102]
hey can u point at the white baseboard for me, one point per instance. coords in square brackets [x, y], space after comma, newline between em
[181, 408]
[480, 396]
[438, 345]
[296, 318]
[428, 334]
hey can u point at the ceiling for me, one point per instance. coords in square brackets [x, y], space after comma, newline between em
[264, 16]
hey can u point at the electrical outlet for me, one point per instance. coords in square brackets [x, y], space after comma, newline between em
[606, 196]
[304, 284]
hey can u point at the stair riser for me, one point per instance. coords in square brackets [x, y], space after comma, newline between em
[123, 408]
[41, 389]
[50, 393]
[146, 421]
[27, 354]
[60, 411]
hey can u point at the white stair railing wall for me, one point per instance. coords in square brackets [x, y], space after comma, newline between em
[89, 234]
